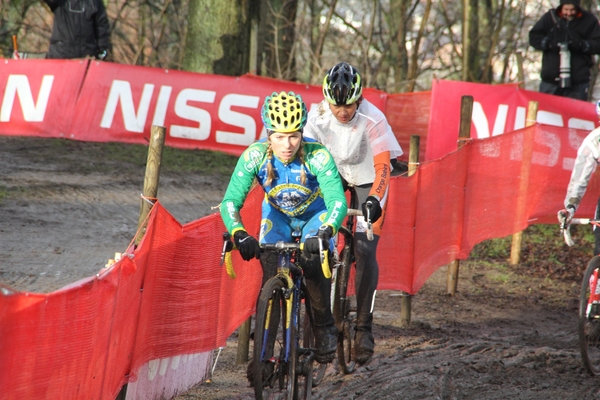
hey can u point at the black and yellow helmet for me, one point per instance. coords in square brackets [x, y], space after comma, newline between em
[284, 112]
[342, 85]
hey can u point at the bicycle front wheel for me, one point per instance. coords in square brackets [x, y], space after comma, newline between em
[271, 369]
[589, 318]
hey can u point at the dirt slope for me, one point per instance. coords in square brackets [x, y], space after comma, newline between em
[66, 207]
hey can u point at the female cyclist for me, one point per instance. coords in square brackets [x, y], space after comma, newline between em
[303, 192]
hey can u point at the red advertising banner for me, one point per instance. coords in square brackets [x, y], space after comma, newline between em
[100, 101]
[39, 96]
[496, 110]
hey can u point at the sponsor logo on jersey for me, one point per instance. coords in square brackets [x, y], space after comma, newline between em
[252, 158]
[335, 212]
[265, 227]
[319, 159]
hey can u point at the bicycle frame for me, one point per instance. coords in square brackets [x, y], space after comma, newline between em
[292, 295]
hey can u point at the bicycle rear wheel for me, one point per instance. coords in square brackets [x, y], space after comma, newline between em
[271, 369]
[345, 320]
[589, 318]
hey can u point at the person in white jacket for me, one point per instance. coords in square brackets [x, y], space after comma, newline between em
[362, 143]
[588, 155]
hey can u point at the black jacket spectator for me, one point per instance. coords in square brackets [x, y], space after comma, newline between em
[80, 29]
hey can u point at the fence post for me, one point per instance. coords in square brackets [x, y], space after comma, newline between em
[150, 190]
[517, 238]
[464, 134]
[413, 165]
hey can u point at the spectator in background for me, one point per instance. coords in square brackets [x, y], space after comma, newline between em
[578, 32]
[80, 29]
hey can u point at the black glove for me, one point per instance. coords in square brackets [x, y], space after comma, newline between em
[550, 44]
[375, 213]
[579, 45]
[247, 245]
[311, 244]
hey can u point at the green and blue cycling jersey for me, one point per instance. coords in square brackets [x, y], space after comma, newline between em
[289, 205]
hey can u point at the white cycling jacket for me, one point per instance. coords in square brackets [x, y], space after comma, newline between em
[353, 145]
[585, 164]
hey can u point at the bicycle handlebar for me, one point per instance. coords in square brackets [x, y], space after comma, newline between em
[358, 213]
[283, 246]
[566, 227]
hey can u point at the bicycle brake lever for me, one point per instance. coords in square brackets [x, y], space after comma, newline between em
[368, 219]
[226, 241]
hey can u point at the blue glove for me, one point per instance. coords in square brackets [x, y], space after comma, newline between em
[375, 212]
[247, 245]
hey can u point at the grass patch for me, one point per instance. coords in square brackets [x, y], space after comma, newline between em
[543, 252]
[101, 157]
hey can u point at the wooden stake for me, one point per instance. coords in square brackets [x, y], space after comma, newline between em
[464, 134]
[517, 238]
[155, 149]
[413, 165]
[150, 191]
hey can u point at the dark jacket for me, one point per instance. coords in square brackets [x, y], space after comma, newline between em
[80, 28]
[582, 35]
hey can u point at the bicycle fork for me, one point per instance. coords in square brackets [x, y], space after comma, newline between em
[594, 298]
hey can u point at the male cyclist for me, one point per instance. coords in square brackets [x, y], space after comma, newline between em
[303, 192]
[362, 143]
[585, 164]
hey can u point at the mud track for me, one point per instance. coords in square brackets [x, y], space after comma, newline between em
[66, 207]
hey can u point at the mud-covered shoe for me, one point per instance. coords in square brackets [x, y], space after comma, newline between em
[325, 343]
[364, 347]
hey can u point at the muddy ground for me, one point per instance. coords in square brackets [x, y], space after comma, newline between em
[508, 333]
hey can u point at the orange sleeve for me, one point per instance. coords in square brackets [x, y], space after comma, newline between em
[382, 175]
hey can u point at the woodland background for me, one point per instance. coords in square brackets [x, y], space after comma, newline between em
[398, 45]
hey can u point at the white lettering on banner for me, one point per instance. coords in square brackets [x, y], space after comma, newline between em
[160, 111]
[520, 118]
[577, 123]
[202, 117]
[237, 119]
[480, 121]
[121, 91]
[575, 141]
[18, 85]
[546, 139]
[549, 118]
[550, 141]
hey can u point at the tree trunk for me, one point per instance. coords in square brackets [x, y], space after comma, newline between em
[218, 36]
[398, 57]
[280, 36]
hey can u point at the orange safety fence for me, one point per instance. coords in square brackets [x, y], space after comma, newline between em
[408, 115]
[170, 296]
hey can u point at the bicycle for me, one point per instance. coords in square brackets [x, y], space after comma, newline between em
[344, 309]
[588, 325]
[281, 367]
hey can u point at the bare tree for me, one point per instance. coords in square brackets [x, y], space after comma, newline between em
[218, 39]
[398, 45]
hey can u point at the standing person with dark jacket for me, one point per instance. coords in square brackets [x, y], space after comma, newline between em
[80, 29]
[566, 31]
